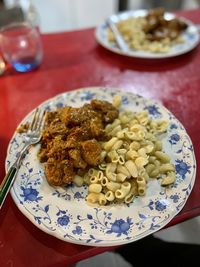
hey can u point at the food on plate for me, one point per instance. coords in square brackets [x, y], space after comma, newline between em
[70, 140]
[152, 32]
[114, 152]
[159, 28]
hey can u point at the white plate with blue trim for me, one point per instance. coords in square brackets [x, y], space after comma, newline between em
[64, 213]
[190, 37]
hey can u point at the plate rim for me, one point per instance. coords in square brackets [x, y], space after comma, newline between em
[105, 243]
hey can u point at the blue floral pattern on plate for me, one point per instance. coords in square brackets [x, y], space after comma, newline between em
[190, 37]
[63, 212]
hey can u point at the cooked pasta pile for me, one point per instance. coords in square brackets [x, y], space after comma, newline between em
[131, 156]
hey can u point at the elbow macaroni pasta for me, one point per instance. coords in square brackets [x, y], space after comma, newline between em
[131, 156]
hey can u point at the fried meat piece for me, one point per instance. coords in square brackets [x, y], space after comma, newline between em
[59, 173]
[75, 156]
[109, 112]
[96, 127]
[77, 134]
[51, 116]
[57, 149]
[23, 128]
[73, 116]
[158, 27]
[91, 152]
[57, 128]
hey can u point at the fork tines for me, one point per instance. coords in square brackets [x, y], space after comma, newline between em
[38, 120]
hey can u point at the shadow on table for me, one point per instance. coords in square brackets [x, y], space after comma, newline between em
[142, 64]
[151, 251]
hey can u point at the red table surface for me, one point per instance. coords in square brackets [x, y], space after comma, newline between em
[74, 60]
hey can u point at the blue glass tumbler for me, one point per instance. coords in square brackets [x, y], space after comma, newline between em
[21, 46]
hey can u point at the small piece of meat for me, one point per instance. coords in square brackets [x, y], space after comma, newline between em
[173, 34]
[75, 156]
[57, 128]
[23, 128]
[111, 115]
[96, 127]
[59, 173]
[51, 116]
[71, 143]
[68, 170]
[54, 174]
[159, 34]
[91, 151]
[101, 105]
[79, 133]
[76, 135]
[177, 24]
[64, 114]
[109, 112]
[57, 149]
[72, 116]
[42, 155]
[46, 136]
[152, 24]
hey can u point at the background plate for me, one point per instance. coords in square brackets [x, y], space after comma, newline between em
[190, 37]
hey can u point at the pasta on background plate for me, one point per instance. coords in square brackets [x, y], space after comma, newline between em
[132, 155]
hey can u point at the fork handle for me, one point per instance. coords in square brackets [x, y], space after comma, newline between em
[6, 184]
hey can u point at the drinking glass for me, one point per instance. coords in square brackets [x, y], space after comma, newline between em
[21, 46]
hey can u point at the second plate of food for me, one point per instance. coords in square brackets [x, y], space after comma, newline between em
[149, 34]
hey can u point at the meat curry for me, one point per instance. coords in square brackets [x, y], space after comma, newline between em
[70, 140]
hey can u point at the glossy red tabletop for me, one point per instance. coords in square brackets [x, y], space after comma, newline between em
[74, 60]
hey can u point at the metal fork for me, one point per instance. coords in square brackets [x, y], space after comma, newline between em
[32, 137]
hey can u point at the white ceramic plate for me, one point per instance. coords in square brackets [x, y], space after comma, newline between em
[63, 212]
[190, 37]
